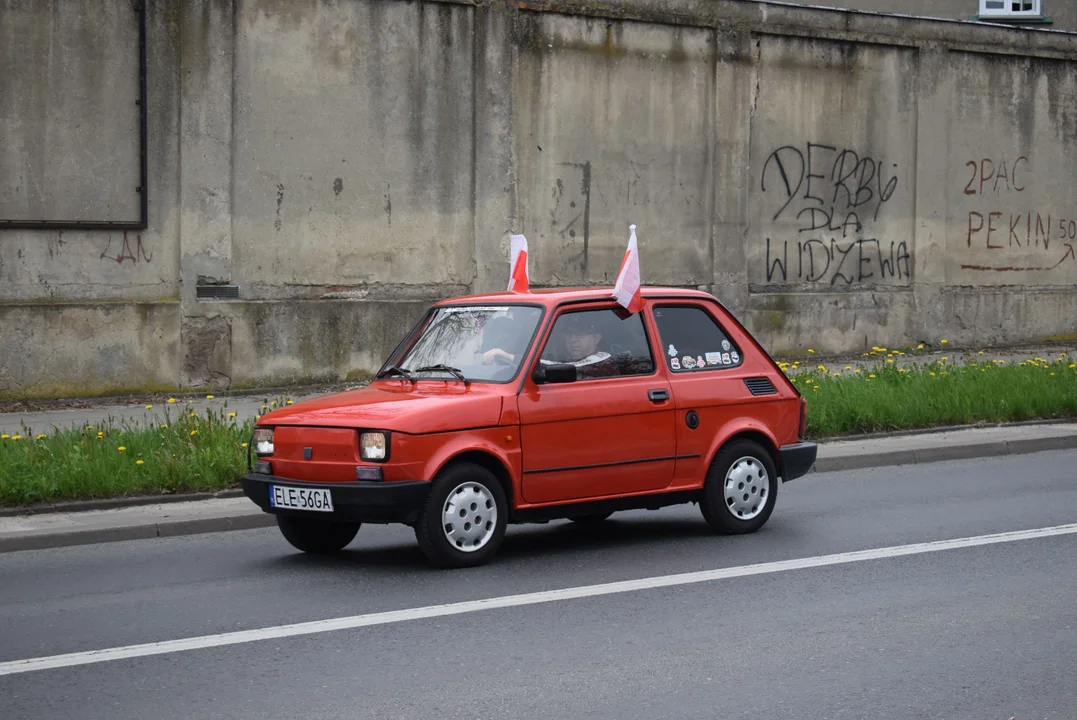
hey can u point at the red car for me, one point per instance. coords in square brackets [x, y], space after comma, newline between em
[514, 408]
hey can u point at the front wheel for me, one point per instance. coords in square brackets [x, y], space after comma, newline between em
[463, 520]
[740, 490]
[316, 536]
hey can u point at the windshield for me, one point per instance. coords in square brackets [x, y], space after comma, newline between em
[485, 342]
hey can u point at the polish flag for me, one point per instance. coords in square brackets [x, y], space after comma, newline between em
[626, 291]
[518, 275]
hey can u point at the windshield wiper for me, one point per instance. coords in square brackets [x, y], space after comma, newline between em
[445, 368]
[394, 370]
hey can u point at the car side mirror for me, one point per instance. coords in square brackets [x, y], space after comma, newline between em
[564, 373]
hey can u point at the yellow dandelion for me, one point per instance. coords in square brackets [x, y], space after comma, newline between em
[932, 374]
[149, 407]
[243, 445]
[194, 432]
[848, 367]
[231, 414]
[872, 376]
[920, 346]
[821, 367]
[209, 397]
[836, 373]
[980, 353]
[945, 342]
[171, 400]
[288, 403]
[944, 358]
[901, 370]
[1052, 374]
[5, 436]
[16, 437]
[890, 361]
[857, 371]
[815, 387]
[140, 462]
[121, 448]
[164, 426]
[810, 351]
[40, 437]
[1073, 366]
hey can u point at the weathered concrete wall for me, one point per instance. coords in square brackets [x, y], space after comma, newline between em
[838, 179]
[1062, 13]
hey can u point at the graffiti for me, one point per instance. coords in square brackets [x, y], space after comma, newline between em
[852, 186]
[1024, 230]
[843, 263]
[829, 198]
[126, 252]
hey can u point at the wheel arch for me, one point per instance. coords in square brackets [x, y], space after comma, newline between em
[747, 432]
[486, 460]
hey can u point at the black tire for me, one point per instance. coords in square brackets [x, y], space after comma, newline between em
[316, 536]
[463, 479]
[593, 519]
[751, 459]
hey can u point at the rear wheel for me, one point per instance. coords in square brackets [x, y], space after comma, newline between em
[463, 520]
[316, 536]
[741, 488]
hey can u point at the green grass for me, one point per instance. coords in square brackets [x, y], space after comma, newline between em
[883, 397]
[208, 451]
[187, 453]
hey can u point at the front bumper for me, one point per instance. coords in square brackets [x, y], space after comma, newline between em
[797, 460]
[368, 502]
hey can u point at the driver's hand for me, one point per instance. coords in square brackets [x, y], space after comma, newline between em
[489, 356]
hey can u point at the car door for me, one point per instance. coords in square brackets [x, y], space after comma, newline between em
[706, 369]
[611, 431]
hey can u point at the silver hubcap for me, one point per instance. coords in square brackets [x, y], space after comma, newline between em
[747, 488]
[469, 517]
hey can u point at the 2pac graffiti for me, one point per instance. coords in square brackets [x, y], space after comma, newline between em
[830, 199]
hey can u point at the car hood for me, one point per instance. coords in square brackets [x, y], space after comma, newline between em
[426, 407]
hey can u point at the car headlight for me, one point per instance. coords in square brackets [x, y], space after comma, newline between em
[263, 441]
[373, 446]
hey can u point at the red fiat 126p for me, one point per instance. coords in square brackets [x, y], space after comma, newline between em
[513, 408]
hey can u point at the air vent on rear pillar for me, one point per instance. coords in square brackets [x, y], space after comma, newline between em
[760, 386]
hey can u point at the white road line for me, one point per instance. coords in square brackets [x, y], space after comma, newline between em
[383, 618]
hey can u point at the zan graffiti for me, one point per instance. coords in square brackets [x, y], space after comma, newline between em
[127, 251]
[821, 204]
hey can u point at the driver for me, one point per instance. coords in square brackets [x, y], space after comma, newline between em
[581, 338]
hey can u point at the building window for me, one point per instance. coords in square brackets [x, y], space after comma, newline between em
[1010, 8]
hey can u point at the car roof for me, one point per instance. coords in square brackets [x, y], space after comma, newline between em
[554, 296]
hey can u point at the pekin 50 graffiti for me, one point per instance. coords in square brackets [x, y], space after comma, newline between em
[830, 198]
[1033, 240]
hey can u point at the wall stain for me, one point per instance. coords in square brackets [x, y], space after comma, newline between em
[280, 201]
[388, 205]
[338, 186]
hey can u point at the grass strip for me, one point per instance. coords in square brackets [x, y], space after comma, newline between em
[205, 452]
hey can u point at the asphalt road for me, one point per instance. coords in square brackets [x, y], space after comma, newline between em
[977, 632]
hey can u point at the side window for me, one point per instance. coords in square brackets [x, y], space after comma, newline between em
[692, 340]
[600, 344]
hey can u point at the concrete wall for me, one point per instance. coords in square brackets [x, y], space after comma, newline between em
[1062, 13]
[838, 179]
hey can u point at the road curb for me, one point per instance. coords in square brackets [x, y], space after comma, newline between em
[966, 451]
[95, 536]
[116, 503]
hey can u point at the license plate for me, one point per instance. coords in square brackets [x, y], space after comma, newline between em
[293, 498]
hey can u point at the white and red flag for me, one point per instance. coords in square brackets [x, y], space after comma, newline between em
[519, 280]
[626, 291]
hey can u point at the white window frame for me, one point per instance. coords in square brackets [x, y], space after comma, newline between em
[1008, 12]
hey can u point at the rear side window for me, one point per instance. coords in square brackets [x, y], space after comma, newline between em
[692, 341]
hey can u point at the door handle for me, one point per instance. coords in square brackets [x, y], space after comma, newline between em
[657, 395]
